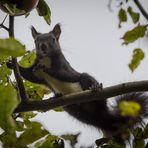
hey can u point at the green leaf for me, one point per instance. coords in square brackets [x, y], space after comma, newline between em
[44, 10]
[59, 109]
[145, 132]
[134, 34]
[102, 141]
[72, 138]
[8, 102]
[9, 139]
[33, 132]
[4, 73]
[4, 58]
[134, 15]
[138, 56]
[27, 115]
[122, 16]
[19, 126]
[28, 59]
[138, 143]
[50, 142]
[35, 91]
[11, 47]
[138, 133]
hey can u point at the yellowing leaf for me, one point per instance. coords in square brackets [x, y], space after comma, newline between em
[138, 55]
[11, 47]
[134, 34]
[129, 108]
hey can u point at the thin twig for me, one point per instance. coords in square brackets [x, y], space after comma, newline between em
[109, 5]
[4, 27]
[2, 24]
[4, 19]
[17, 75]
[85, 96]
[138, 4]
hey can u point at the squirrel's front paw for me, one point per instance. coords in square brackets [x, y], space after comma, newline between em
[37, 67]
[96, 87]
[9, 64]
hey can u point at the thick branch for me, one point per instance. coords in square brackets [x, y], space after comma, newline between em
[84, 96]
[138, 4]
[15, 65]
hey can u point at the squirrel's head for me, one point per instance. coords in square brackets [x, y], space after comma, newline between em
[47, 43]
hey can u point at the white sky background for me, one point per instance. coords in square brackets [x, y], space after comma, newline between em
[91, 42]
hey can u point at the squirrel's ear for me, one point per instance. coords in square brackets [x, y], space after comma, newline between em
[34, 32]
[57, 31]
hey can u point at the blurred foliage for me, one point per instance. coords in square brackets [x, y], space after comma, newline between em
[11, 47]
[72, 138]
[129, 108]
[27, 59]
[50, 142]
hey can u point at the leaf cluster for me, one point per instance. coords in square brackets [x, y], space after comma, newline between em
[138, 32]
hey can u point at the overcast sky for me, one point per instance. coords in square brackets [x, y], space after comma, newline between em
[91, 42]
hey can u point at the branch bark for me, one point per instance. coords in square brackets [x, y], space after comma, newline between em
[138, 4]
[81, 97]
[17, 75]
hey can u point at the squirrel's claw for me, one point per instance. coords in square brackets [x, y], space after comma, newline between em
[96, 87]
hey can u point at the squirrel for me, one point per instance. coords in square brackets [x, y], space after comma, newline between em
[53, 70]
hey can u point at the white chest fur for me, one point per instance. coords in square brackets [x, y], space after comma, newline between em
[60, 86]
[57, 85]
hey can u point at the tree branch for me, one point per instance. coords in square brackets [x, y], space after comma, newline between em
[17, 75]
[138, 4]
[85, 96]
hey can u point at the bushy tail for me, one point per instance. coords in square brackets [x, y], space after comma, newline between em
[130, 111]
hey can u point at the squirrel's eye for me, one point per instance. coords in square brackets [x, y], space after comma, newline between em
[53, 39]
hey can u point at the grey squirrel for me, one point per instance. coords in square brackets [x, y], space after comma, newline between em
[53, 70]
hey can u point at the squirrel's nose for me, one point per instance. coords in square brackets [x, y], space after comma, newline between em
[43, 47]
